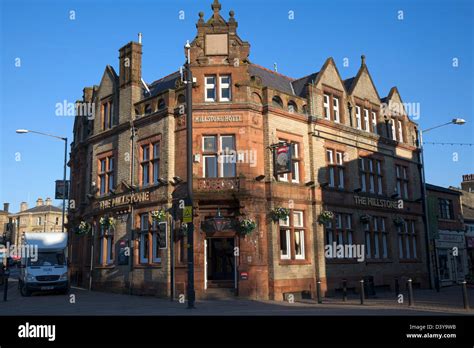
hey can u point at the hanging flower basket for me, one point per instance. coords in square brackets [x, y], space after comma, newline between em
[246, 226]
[365, 219]
[158, 215]
[83, 228]
[107, 222]
[398, 221]
[279, 213]
[325, 217]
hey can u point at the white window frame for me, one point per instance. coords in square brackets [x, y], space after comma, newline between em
[400, 131]
[326, 108]
[366, 120]
[394, 133]
[335, 108]
[358, 118]
[300, 256]
[285, 223]
[374, 122]
[223, 85]
[144, 257]
[295, 151]
[209, 86]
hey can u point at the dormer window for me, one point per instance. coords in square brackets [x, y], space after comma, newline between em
[147, 109]
[400, 131]
[327, 113]
[277, 102]
[107, 115]
[374, 122]
[331, 107]
[335, 109]
[358, 118]
[292, 108]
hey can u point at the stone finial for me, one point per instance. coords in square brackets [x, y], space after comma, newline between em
[231, 14]
[216, 7]
[201, 17]
[362, 60]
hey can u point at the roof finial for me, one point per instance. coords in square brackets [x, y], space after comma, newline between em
[362, 58]
[216, 6]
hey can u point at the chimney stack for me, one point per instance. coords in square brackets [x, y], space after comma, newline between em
[23, 206]
[48, 201]
[39, 202]
[130, 72]
[6, 206]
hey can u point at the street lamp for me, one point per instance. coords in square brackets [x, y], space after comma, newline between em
[456, 121]
[189, 172]
[24, 131]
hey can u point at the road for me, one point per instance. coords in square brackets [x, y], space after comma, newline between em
[83, 302]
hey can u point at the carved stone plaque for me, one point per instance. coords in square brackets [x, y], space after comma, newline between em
[216, 44]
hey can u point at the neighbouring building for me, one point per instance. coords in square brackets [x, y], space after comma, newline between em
[354, 155]
[448, 232]
[467, 205]
[5, 225]
[44, 217]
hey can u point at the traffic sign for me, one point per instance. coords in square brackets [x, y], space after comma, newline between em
[188, 214]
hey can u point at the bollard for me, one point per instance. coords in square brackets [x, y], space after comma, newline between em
[5, 290]
[362, 293]
[464, 295]
[318, 290]
[410, 293]
[344, 290]
[397, 287]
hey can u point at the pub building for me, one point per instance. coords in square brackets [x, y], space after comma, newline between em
[282, 167]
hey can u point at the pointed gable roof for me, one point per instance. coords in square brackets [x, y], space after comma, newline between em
[327, 63]
[355, 80]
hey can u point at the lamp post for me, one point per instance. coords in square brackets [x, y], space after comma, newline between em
[24, 131]
[189, 173]
[457, 121]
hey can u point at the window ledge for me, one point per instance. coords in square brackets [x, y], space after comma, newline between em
[378, 260]
[145, 266]
[342, 261]
[294, 262]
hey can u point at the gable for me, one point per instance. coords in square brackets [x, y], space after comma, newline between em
[364, 88]
[330, 76]
[108, 82]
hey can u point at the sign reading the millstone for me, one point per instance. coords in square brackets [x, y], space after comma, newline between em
[128, 198]
[379, 202]
[212, 118]
[282, 159]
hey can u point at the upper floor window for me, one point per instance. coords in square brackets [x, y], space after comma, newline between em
[39, 221]
[294, 176]
[292, 108]
[331, 107]
[106, 174]
[210, 88]
[150, 163]
[358, 118]
[366, 120]
[402, 181]
[446, 209]
[335, 163]
[219, 156]
[374, 122]
[327, 113]
[371, 175]
[224, 87]
[107, 115]
[292, 237]
[400, 131]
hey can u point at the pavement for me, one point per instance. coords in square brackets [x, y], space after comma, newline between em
[448, 301]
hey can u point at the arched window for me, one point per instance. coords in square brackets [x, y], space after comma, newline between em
[161, 104]
[305, 109]
[277, 102]
[292, 108]
[147, 109]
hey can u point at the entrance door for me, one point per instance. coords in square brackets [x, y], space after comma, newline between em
[220, 262]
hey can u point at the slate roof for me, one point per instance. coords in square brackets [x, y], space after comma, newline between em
[42, 209]
[348, 84]
[442, 189]
[272, 79]
[167, 82]
[299, 85]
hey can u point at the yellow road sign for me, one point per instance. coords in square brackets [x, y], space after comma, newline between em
[188, 214]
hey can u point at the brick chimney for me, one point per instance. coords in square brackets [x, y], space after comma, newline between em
[39, 202]
[23, 206]
[130, 80]
[48, 201]
[6, 206]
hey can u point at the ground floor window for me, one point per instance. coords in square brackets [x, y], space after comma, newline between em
[407, 240]
[376, 238]
[292, 236]
[106, 246]
[153, 238]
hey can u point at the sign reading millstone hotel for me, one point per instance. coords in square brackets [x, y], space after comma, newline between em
[350, 177]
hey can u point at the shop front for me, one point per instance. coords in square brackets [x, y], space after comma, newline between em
[452, 257]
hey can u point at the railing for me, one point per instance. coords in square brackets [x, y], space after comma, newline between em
[217, 184]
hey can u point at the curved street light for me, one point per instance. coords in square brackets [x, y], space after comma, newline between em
[24, 131]
[459, 122]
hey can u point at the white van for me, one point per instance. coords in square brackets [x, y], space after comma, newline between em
[46, 271]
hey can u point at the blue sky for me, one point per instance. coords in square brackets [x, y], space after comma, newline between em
[60, 56]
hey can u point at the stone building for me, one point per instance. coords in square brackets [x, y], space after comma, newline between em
[354, 154]
[43, 217]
